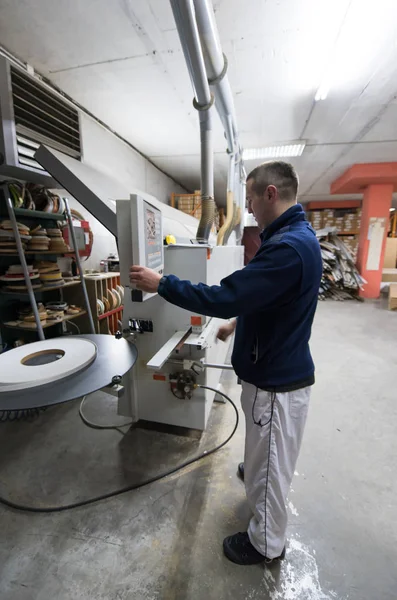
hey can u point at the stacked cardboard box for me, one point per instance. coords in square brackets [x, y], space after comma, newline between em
[393, 296]
[390, 261]
[191, 205]
[341, 220]
[315, 217]
[352, 221]
[328, 218]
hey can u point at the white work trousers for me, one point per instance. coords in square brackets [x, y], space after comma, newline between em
[274, 430]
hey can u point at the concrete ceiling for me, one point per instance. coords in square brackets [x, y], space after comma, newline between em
[122, 60]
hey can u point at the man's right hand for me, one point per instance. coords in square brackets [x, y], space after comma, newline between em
[225, 331]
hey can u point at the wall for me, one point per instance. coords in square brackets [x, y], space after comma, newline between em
[105, 152]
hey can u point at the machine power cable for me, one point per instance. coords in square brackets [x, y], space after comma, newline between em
[96, 425]
[134, 486]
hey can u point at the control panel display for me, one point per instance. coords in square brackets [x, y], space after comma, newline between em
[147, 239]
[153, 237]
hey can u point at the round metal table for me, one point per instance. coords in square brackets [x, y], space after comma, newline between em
[114, 357]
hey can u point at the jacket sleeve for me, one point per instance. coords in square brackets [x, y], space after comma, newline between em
[271, 279]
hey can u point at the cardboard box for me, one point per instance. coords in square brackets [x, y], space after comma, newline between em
[328, 222]
[389, 275]
[390, 261]
[393, 296]
[316, 219]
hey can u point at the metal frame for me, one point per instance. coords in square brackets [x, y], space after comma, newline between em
[78, 261]
[48, 158]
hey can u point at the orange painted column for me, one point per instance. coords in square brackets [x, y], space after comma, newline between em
[376, 204]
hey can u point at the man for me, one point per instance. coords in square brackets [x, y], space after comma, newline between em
[274, 299]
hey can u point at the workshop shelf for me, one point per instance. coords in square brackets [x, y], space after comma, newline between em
[45, 325]
[43, 288]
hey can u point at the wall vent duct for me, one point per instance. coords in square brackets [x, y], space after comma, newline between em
[31, 115]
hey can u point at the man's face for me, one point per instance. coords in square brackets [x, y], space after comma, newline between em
[258, 205]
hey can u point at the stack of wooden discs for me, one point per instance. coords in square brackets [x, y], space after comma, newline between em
[74, 310]
[50, 273]
[55, 315]
[27, 317]
[15, 280]
[8, 244]
[58, 309]
[54, 232]
[57, 243]
[40, 242]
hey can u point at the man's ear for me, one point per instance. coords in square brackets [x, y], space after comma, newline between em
[271, 193]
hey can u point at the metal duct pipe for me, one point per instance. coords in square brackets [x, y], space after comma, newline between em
[230, 204]
[216, 65]
[232, 225]
[207, 178]
[185, 20]
[242, 199]
[188, 34]
[236, 216]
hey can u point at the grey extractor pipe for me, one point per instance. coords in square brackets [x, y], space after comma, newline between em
[188, 33]
[216, 65]
[206, 64]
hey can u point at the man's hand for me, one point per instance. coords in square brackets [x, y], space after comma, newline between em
[145, 279]
[226, 330]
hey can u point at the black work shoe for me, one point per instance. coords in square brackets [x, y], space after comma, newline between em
[240, 470]
[239, 550]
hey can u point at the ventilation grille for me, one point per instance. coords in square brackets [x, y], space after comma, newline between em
[42, 118]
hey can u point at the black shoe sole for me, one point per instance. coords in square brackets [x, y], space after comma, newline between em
[236, 559]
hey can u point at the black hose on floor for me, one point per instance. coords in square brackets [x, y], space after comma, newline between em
[134, 486]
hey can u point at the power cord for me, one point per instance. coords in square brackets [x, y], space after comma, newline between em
[96, 425]
[74, 325]
[134, 486]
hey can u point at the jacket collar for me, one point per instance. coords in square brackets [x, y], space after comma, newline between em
[290, 216]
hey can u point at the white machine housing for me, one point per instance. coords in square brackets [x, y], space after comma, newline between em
[149, 395]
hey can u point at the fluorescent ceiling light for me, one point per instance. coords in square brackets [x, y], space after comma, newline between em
[280, 151]
[391, 209]
[323, 90]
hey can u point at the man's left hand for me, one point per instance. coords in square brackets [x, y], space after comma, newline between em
[145, 279]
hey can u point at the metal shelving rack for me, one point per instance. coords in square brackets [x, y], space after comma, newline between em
[21, 254]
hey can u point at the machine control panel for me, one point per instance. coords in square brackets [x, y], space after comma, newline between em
[147, 239]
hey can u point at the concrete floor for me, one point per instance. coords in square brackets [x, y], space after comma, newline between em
[163, 542]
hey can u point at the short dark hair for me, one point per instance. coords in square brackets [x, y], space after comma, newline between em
[278, 173]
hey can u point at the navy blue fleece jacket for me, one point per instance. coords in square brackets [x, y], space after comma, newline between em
[274, 299]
